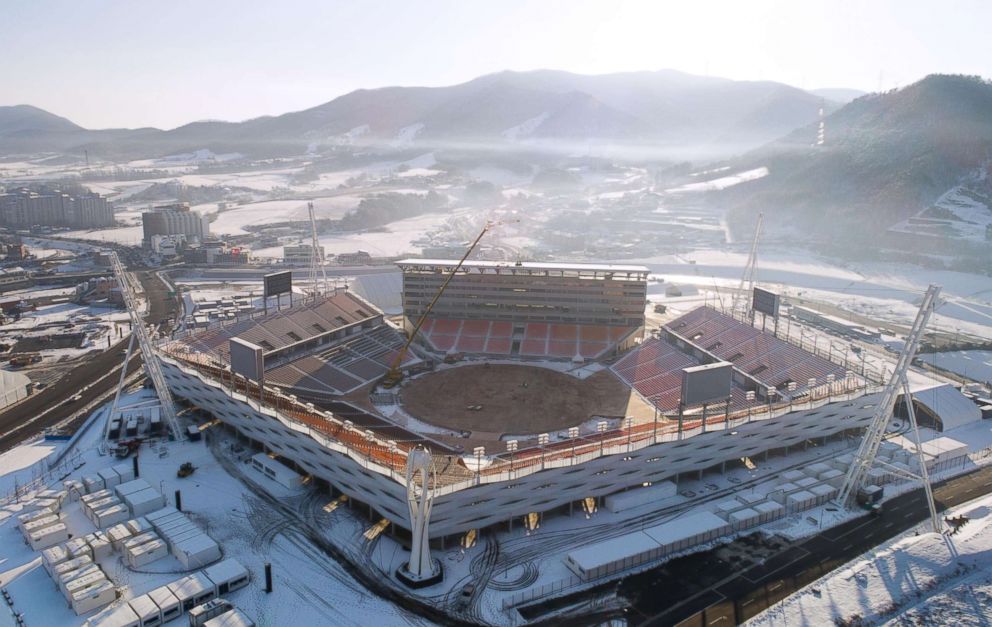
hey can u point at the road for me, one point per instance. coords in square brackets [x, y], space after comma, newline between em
[89, 379]
[696, 589]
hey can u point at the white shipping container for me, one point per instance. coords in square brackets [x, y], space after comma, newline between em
[234, 618]
[38, 524]
[144, 502]
[769, 511]
[197, 552]
[49, 536]
[117, 535]
[125, 470]
[101, 548]
[123, 616]
[130, 487]
[65, 578]
[192, 590]
[109, 476]
[53, 556]
[146, 610]
[167, 603]
[744, 518]
[140, 539]
[162, 514]
[84, 581]
[97, 596]
[147, 553]
[792, 476]
[139, 524]
[70, 565]
[111, 516]
[228, 575]
[93, 483]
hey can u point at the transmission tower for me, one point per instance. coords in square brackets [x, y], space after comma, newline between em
[865, 457]
[152, 366]
[316, 258]
[741, 303]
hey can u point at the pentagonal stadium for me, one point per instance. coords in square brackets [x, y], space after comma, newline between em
[535, 386]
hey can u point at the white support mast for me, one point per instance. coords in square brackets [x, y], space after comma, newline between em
[865, 457]
[742, 298]
[316, 258]
[420, 466]
[152, 366]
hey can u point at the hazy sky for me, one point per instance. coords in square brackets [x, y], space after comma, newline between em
[165, 63]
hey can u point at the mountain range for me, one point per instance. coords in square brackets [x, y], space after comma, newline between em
[692, 115]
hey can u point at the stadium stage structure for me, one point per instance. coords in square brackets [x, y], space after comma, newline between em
[509, 457]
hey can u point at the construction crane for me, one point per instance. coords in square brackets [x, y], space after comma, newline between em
[742, 298]
[854, 482]
[316, 257]
[395, 374]
[152, 366]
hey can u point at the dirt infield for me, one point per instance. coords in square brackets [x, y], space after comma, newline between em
[515, 399]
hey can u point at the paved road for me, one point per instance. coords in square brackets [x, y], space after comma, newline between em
[704, 589]
[89, 379]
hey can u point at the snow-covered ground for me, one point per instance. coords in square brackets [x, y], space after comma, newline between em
[395, 239]
[311, 588]
[972, 364]
[722, 182]
[917, 578]
[883, 291]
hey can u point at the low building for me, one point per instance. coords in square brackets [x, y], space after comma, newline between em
[301, 254]
[359, 258]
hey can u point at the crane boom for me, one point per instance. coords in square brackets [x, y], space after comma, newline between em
[865, 456]
[742, 298]
[316, 258]
[152, 366]
[394, 375]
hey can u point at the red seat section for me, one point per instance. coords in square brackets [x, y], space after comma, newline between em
[540, 339]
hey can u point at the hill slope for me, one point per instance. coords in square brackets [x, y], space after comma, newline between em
[886, 157]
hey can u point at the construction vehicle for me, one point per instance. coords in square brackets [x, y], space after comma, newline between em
[126, 447]
[185, 470]
[395, 374]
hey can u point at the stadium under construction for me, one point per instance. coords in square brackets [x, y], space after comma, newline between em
[705, 390]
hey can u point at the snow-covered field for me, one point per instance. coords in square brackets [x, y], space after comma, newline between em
[918, 578]
[722, 182]
[395, 239]
[884, 291]
[975, 365]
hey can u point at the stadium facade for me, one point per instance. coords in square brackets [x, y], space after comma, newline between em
[315, 353]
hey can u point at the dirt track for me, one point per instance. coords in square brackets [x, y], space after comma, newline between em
[515, 399]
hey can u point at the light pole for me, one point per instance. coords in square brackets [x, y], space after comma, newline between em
[479, 453]
[830, 387]
[601, 427]
[792, 388]
[655, 424]
[511, 446]
[369, 438]
[392, 453]
[573, 432]
[628, 424]
[810, 384]
[542, 441]
[749, 397]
